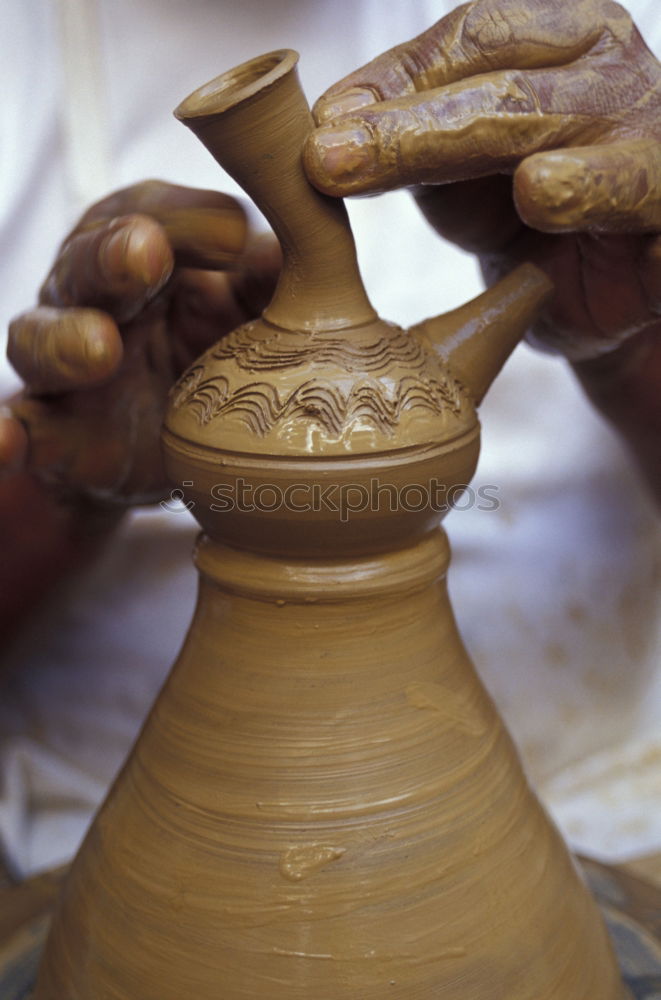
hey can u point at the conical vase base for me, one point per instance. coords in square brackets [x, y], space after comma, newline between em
[324, 805]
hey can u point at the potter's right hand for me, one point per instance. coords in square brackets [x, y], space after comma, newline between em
[565, 98]
[146, 281]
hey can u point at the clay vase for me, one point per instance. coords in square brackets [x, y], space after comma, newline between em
[323, 803]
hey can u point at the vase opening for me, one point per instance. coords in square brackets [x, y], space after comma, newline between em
[237, 85]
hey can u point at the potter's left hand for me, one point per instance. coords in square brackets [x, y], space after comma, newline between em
[148, 279]
[565, 98]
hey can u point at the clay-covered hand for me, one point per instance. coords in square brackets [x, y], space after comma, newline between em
[149, 278]
[562, 95]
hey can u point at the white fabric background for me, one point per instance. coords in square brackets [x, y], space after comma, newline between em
[556, 593]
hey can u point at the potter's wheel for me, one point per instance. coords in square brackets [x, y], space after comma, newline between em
[632, 909]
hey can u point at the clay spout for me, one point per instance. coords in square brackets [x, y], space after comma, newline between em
[477, 338]
[254, 121]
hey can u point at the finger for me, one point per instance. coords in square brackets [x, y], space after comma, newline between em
[154, 197]
[206, 237]
[13, 443]
[116, 266]
[614, 188]
[475, 38]
[207, 305]
[205, 228]
[54, 350]
[467, 129]
[203, 309]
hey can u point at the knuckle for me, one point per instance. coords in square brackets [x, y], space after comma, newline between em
[412, 69]
[519, 94]
[610, 10]
[396, 74]
[487, 27]
[149, 187]
[417, 64]
[146, 195]
[134, 198]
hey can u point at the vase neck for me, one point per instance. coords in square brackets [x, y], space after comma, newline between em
[319, 286]
[254, 121]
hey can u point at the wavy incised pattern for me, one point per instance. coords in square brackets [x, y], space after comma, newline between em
[248, 348]
[260, 405]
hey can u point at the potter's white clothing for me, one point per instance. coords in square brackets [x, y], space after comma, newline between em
[556, 591]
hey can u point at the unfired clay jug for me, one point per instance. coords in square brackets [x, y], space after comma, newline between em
[324, 804]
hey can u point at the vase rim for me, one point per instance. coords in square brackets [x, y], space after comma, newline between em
[237, 85]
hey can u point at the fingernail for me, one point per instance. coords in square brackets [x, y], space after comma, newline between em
[130, 253]
[337, 156]
[113, 249]
[148, 263]
[328, 108]
[96, 349]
